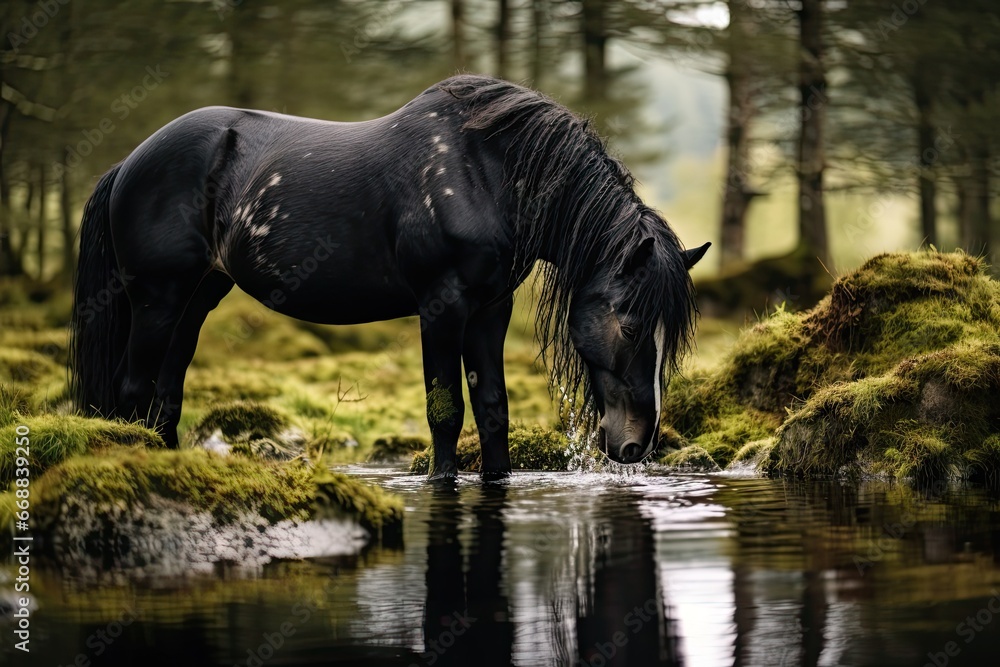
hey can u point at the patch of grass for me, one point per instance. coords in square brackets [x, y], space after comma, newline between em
[691, 459]
[55, 438]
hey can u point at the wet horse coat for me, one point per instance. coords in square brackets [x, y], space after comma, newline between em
[439, 209]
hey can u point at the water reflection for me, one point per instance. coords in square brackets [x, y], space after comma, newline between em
[588, 569]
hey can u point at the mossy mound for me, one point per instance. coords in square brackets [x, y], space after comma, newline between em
[895, 372]
[55, 438]
[691, 459]
[89, 497]
[531, 448]
[395, 447]
[240, 420]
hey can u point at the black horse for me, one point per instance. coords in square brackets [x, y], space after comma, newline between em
[439, 209]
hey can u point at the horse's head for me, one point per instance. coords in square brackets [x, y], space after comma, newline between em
[624, 353]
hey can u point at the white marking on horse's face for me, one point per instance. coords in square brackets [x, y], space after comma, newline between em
[659, 336]
[448, 192]
[307, 154]
[274, 213]
[427, 201]
[432, 114]
[442, 148]
[394, 126]
[275, 179]
[440, 171]
[437, 138]
[259, 230]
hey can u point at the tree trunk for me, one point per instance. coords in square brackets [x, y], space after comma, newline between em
[595, 43]
[737, 195]
[974, 205]
[922, 97]
[458, 33]
[813, 240]
[68, 228]
[42, 220]
[538, 27]
[503, 23]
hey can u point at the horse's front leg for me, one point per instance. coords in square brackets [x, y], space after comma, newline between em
[483, 354]
[442, 328]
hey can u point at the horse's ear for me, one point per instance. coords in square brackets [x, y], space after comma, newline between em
[640, 257]
[692, 256]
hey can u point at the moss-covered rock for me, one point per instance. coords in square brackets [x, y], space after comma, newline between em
[396, 447]
[691, 459]
[240, 420]
[531, 448]
[895, 373]
[201, 506]
[55, 438]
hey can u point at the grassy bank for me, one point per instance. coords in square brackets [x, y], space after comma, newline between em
[895, 373]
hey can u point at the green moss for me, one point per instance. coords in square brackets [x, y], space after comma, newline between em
[894, 373]
[225, 486]
[691, 459]
[241, 421]
[377, 510]
[756, 453]
[54, 438]
[392, 447]
[440, 404]
[531, 448]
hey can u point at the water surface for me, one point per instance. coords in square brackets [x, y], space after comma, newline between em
[581, 568]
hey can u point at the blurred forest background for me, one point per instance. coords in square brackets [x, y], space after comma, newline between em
[784, 131]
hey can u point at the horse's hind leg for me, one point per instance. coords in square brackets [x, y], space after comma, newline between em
[170, 384]
[157, 304]
[483, 356]
[441, 344]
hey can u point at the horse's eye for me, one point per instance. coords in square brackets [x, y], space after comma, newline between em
[629, 332]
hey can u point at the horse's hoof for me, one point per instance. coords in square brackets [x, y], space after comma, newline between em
[495, 475]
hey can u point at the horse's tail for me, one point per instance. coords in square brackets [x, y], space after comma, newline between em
[101, 314]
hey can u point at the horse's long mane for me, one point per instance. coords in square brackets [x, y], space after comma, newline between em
[576, 205]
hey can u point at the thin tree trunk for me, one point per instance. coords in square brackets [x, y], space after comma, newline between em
[922, 97]
[42, 220]
[974, 205]
[458, 33]
[538, 27]
[595, 43]
[68, 228]
[737, 195]
[813, 240]
[503, 30]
